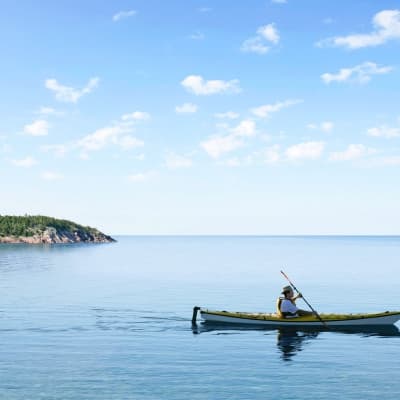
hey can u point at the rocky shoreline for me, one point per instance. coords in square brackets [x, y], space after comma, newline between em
[61, 232]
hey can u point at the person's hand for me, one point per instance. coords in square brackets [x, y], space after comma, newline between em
[299, 295]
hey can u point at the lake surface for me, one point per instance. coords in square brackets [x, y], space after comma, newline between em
[112, 321]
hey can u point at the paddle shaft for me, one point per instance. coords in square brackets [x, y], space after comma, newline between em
[309, 305]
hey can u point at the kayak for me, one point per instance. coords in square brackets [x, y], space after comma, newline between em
[272, 320]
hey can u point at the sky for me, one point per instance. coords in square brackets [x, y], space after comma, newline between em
[211, 117]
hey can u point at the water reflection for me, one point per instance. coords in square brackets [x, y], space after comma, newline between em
[291, 341]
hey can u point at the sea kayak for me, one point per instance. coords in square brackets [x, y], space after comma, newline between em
[272, 320]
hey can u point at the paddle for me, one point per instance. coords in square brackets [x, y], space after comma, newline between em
[309, 305]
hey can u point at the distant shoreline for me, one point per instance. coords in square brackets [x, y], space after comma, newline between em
[47, 230]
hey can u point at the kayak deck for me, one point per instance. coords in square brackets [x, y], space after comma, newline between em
[270, 319]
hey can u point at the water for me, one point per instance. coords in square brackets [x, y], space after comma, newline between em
[113, 321]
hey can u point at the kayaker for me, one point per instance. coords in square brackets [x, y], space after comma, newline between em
[286, 306]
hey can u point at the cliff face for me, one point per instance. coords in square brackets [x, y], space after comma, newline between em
[61, 232]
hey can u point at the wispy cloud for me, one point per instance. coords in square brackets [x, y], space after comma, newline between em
[69, 94]
[267, 109]
[267, 35]
[175, 161]
[186, 108]
[227, 115]
[353, 152]
[51, 176]
[117, 134]
[386, 25]
[384, 131]
[279, 1]
[271, 155]
[304, 151]
[27, 162]
[39, 127]
[141, 176]
[59, 150]
[199, 86]
[49, 111]
[123, 14]
[360, 73]
[217, 145]
[325, 126]
[197, 36]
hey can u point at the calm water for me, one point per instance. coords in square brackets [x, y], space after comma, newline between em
[113, 321]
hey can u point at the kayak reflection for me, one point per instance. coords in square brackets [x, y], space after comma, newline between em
[291, 341]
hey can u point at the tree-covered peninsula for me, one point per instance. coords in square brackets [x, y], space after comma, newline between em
[37, 229]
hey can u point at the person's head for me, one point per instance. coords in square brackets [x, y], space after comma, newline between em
[287, 291]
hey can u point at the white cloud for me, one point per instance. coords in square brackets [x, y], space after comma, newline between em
[260, 44]
[59, 150]
[267, 109]
[49, 111]
[117, 134]
[186, 108]
[197, 85]
[384, 131]
[394, 161]
[136, 116]
[27, 162]
[279, 1]
[307, 150]
[386, 27]
[39, 127]
[123, 14]
[141, 176]
[175, 161]
[360, 73]
[272, 154]
[204, 9]
[215, 146]
[197, 36]
[353, 152]
[325, 126]
[245, 128]
[228, 115]
[269, 33]
[51, 176]
[69, 94]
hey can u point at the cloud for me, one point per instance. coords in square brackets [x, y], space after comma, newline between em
[228, 115]
[49, 111]
[197, 85]
[260, 44]
[217, 145]
[279, 1]
[197, 36]
[325, 126]
[39, 127]
[386, 25]
[353, 152]
[267, 109]
[123, 14]
[141, 176]
[391, 161]
[384, 131]
[307, 150]
[360, 73]
[175, 161]
[245, 128]
[136, 116]
[271, 155]
[68, 94]
[186, 108]
[117, 134]
[27, 162]
[59, 150]
[51, 176]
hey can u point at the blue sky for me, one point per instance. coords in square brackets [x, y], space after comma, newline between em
[203, 117]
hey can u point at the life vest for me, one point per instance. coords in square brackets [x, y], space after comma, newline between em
[278, 308]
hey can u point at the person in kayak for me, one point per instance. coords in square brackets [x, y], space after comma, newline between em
[286, 306]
